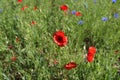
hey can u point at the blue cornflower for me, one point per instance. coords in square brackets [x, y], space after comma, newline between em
[80, 22]
[116, 15]
[76, 0]
[104, 19]
[94, 1]
[1, 10]
[113, 1]
[73, 12]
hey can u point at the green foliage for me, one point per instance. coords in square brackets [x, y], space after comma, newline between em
[36, 51]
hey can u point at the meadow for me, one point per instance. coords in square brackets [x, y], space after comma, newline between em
[51, 39]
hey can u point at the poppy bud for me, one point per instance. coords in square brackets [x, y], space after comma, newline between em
[13, 58]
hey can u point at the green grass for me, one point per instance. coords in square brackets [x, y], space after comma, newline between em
[36, 50]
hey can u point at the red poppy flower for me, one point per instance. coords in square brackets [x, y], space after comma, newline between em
[10, 47]
[55, 62]
[92, 50]
[90, 54]
[33, 23]
[60, 39]
[90, 58]
[23, 8]
[19, 1]
[78, 14]
[13, 58]
[35, 7]
[64, 7]
[70, 65]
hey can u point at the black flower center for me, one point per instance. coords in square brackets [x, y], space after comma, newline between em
[60, 39]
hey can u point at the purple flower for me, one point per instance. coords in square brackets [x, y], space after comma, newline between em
[1, 10]
[104, 19]
[116, 15]
[73, 12]
[94, 1]
[76, 0]
[80, 22]
[113, 1]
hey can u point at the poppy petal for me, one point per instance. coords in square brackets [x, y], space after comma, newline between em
[90, 58]
[64, 7]
[92, 50]
[70, 65]
[59, 38]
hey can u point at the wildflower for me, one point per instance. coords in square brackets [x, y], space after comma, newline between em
[60, 39]
[10, 47]
[76, 0]
[70, 65]
[94, 1]
[35, 7]
[113, 1]
[80, 22]
[23, 8]
[55, 62]
[116, 15]
[19, 1]
[73, 12]
[1, 10]
[33, 23]
[104, 19]
[14, 58]
[64, 7]
[78, 14]
[91, 52]
[90, 58]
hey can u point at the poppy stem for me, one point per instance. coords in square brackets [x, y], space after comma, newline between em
[65, 13]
